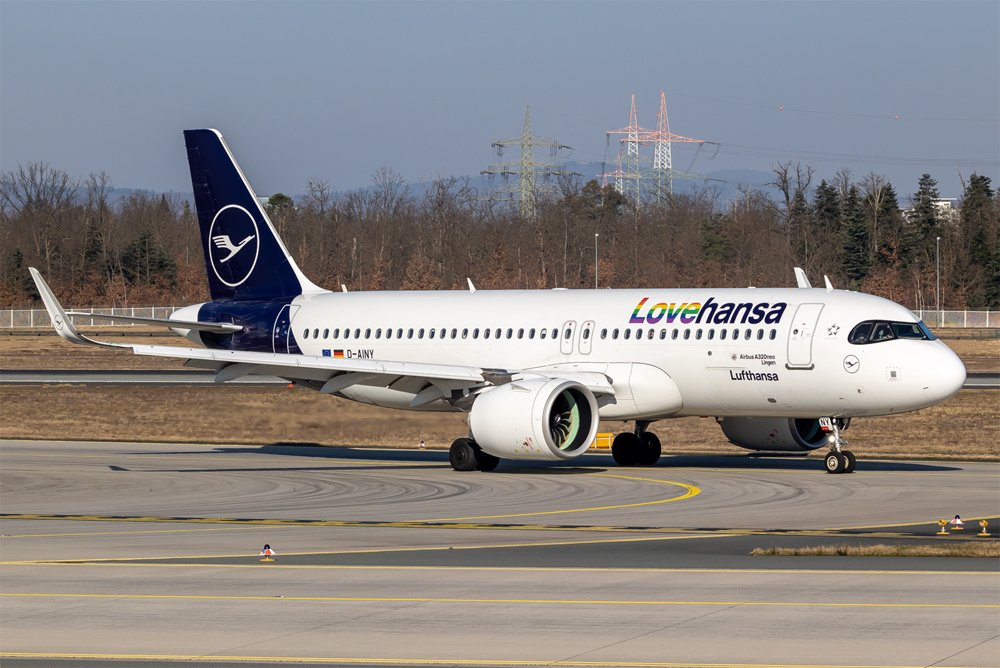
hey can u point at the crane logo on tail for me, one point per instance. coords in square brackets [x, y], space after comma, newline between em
[231, 261]
[223, 241]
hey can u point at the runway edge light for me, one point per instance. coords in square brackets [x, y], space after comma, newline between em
[983, 524]
[943, 531]
[267, 553]
[957, 524]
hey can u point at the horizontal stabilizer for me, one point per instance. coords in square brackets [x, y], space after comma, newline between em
[214, 327]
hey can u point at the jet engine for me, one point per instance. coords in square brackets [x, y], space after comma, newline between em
[538, 418]
[775, 434]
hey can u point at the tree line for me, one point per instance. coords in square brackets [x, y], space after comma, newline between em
[145, 249]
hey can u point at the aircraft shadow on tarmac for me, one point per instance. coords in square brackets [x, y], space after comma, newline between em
[596, 463]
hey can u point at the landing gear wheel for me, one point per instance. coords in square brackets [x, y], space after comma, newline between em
[649, 454]
[462, 454]
[851, 460]
[486, 462]
[626, 449]
[835, 462]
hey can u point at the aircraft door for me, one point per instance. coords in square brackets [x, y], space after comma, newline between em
[566, 337]
[800, 336]
[282, 328]
[586, 337]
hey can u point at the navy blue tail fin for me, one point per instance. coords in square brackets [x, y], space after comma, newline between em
[244, 257]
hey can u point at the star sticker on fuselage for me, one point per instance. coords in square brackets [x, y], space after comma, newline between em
[832, 330]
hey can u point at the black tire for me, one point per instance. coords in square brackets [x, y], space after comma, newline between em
[850, 459]
[462, 455]
[486, 462]
[626, 449]
[835, 462]
[651, 449]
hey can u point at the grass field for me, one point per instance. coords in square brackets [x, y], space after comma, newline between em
[965, 548]
[965, 427]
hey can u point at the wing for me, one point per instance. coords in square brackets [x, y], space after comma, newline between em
[327, 374]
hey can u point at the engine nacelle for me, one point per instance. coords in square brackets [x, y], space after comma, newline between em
[775, 434]
[543, 418]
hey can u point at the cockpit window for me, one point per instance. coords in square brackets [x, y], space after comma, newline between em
[861, 333]
[873, 331]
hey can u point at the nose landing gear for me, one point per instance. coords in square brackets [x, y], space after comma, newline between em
[837, 460]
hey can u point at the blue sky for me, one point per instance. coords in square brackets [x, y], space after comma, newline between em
[335, 90]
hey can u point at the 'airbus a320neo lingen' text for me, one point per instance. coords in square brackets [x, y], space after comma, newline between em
[782, 370]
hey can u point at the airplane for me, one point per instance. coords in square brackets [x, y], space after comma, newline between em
[781, 370]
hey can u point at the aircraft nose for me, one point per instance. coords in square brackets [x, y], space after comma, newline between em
[948, 373]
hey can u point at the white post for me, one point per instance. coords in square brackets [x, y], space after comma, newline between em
[596, 234]
[937, 258]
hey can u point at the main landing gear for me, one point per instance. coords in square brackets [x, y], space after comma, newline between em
[837, 460]
[638, 448]
[466, 455]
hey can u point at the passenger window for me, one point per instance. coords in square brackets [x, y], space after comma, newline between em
[465, 333]
[760, 334]
[388, 333]
[368, 333]
[510, 333]
[347, 334]
[663, 334]
[430, 333]
[531, 333]
[305, 334]
[774, 334]
[378, 333]
[357, 332]
[498, 333]
[586, 333]
[722, 334]
[569, 333]
[687, 334]
[475, 333]
[520, 333]
[409, 333]
[420, 333]
[650, 334]
[326, 333]
[711, 334]
[604, 333]
[454, 333]
[697, 334]
[486, 333]
[316, 333]
[399, 332]
[674, 334]
[747, 334]
[614, 333]
[628, 334]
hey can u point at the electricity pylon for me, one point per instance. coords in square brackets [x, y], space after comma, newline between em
[527, 170]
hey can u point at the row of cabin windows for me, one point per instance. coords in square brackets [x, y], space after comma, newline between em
[627, 333]
[442, 333]
[697, 334]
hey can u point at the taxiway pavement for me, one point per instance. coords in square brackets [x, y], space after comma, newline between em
[148, 553]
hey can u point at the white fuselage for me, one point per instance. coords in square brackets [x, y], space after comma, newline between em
[668, 353]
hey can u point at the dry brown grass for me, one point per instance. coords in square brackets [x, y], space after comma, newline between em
[972, 548]
[962, 428]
